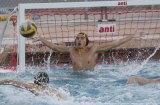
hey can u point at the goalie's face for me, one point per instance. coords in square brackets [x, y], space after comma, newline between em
[80, 41]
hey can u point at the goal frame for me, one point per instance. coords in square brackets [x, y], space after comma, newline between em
[88, 4]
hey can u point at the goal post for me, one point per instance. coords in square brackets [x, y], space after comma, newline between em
[102, 21]
[21, 40]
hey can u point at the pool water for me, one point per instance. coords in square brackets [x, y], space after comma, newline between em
[106, 85]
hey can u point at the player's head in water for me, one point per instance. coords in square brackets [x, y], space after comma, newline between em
[81, 40]
[41, 78]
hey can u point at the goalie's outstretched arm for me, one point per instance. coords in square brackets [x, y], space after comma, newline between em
[59, 48]
[110, 45]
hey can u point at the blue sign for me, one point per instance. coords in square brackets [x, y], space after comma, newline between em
[3, 11]
[36, 17]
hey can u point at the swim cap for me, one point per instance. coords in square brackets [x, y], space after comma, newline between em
[85, 36]
[41, 78]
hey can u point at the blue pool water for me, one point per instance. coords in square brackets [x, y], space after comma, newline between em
[106, 85]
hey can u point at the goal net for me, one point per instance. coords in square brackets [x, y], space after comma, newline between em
[102, 21]
[8, 40]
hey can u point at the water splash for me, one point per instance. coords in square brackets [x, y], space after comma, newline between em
[102, 86]
[145, 61]
[48, 61]
[133, 68]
